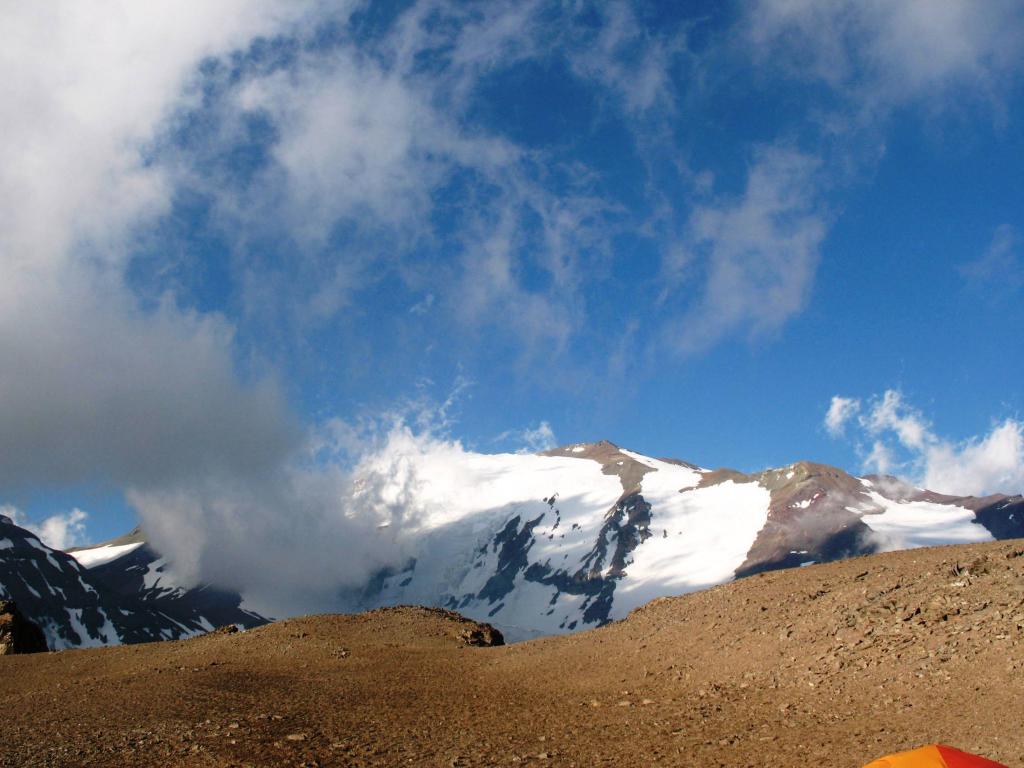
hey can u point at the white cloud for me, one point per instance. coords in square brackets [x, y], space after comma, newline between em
[149, 399]
[841, 410]
[292, 539]
[100, 77]
[489, 288]
[59, 531]
[92, 385]
[368, 140]
[63, 531]
[530, 439]
[986, 464]
[355, 139]
[891, 414]
[904, 443]
[625, 58]
[761, 251]
[1002, 264]
[883, 53]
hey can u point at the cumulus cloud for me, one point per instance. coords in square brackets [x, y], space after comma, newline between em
[93, 387]
[326, 518]
[901, 441]
[840, 411]
[760, 251]
[59, 531]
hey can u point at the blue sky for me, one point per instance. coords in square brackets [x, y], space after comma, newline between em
[683, 227]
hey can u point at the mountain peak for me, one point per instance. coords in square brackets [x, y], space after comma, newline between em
[533, 544]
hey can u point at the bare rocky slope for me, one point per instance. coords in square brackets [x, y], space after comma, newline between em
[830, 665]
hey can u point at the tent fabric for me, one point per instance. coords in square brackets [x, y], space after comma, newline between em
[933, 756]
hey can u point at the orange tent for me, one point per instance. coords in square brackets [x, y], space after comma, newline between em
[933, 756]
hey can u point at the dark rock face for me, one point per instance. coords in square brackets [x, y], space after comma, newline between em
[142, 576]
[1003, 516]
[18, 634]
[512, 544]
[812, 517]
[122, 601]
[626, 526]
[54, 591]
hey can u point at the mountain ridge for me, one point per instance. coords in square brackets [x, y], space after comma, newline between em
[558, 541]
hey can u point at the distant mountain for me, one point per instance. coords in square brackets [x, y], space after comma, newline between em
[581, 535]
[114, 593]
[535, 544]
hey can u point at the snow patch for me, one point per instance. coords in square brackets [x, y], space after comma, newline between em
[911, 524]
[90, 558]
[709, 533]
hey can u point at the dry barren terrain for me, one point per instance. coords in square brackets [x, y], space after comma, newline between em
[827, 666]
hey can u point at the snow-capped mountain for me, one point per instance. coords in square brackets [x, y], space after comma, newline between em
[535, 544]
[581, 535]
[113, 593]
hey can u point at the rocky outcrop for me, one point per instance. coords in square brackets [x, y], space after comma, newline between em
[482, 635]
[18, 634]
[814, 516]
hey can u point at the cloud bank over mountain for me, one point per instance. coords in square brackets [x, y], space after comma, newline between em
[226, 227]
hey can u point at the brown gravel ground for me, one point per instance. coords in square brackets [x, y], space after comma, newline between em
[823, 666]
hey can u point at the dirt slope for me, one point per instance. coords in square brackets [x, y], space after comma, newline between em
[828, 665]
